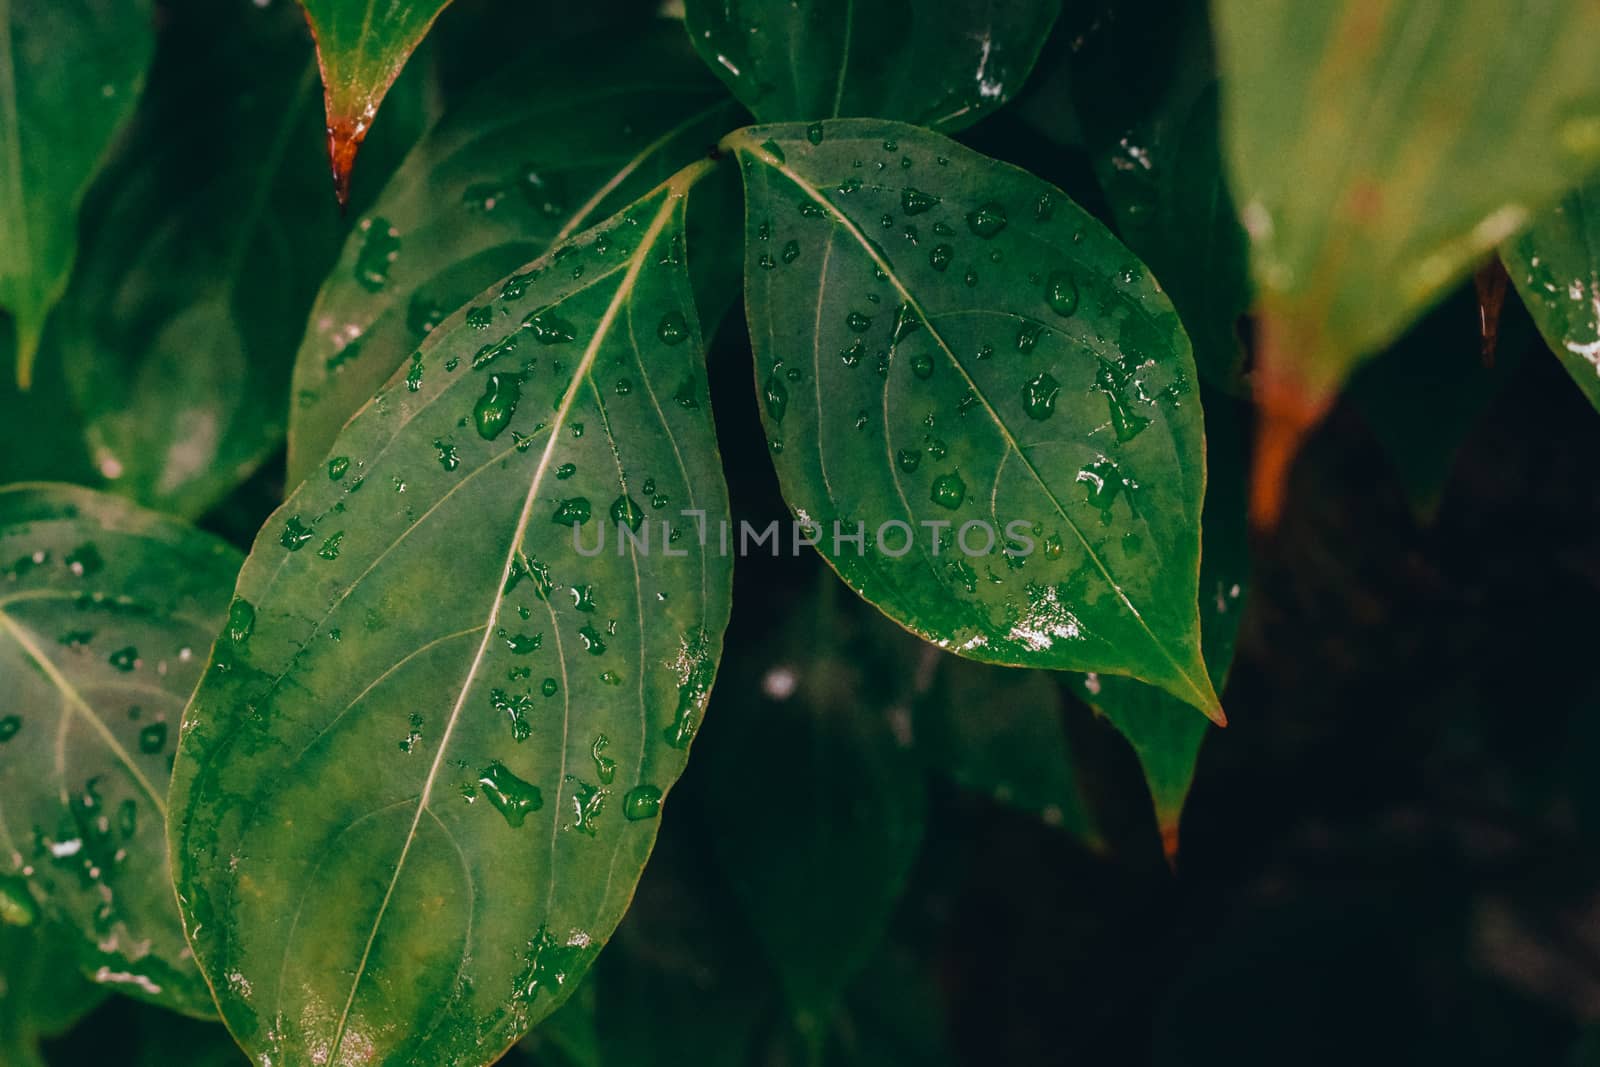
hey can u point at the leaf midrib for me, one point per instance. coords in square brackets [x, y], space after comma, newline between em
[743, 141]
[580, 375]
[74, 700]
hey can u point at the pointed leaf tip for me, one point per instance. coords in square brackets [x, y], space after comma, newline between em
[360, 56]
[1289, 405]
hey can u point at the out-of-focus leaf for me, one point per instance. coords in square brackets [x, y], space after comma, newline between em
[178, 330]
[1555, 266]
[809, 770]
[502, 178]
[417, 842]
[41, 994]
[1156, 146]
[1164, 734]
[986, 357]
[70, 73]
[892, 1017]
[1378, 151]
[1439, 359]
[106, 612]
[362, 45]
[682, 983]
[998, 732]
[568, 1038]
[941, 65]
[165, 1040]
[41, 435]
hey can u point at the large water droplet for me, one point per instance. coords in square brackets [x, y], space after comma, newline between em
[1061, 293]
[922, 365]
[511, 796]
[1039, 396]
[573, 511]
[948, 490]
[642, 802]
[988, 220]
[627, 510]
[380, 249]
[915, 201]
[492, 413]
[153, 738]
[775, 395]
[673, 330]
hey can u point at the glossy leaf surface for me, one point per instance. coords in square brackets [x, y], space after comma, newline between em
[1555, 266]
[1155, 143]
[940, 65]
[70, 73]
[942, 338]
[422, 774]
[999, 732]
[179, 328]
[1166, 735]
[504, 176]
[106, 612]
[362, 46]
[808, 770]
[39, 997]
[1377, 152]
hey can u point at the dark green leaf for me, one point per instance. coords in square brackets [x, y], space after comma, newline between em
[70, 72]
[1164, 734]
[499, 181]
[106, 612]
[999, 732]
[1156, 149]
[1441, 358]
[1555, 266]
[362, 46]
[1377, 152]
[940, 65]
[993, 359]
[420, 778]
[809, 770]
[569, 1037]
[682, 983]
[39, 995]
[178, 331]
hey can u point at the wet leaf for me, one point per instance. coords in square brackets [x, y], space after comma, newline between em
[1555, 266]
[1165, 735]
[809, 768]
[1377, 152]
[106, 612]
[993, 360]
[39, 998]
[502, 178]
[362, 46]
[178, 330]
[939, 65]
[70, 73]
[1156, 148]
[410, 815]
[999, 732]
[569, 1037]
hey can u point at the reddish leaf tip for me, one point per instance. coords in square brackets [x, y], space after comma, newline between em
[1288, 408]
[344, 141]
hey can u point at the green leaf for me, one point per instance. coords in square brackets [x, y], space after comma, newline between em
[990, 357]
[1440, 357]
[682, 983]
[569, 1037]
[39, 997]
[106, 612]
[806, 772]
[1555, 266]
[501, 179]
[1378, 151]
[192, 292]
[70, 72]
[999, 732]
[362, 46]
[939, 65]
[420, 778]
[1156, 148]
[1164, 734]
